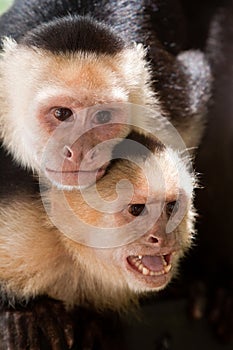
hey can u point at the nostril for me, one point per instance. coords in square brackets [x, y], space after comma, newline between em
[67, 152]
[153, 239]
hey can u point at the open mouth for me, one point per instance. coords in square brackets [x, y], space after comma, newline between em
[151, 265]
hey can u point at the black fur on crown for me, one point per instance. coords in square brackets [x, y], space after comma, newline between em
[74, 33]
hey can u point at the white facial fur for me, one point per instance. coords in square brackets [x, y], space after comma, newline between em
[33, 80]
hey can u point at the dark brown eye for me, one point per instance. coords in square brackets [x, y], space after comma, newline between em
[62, 114]
[172, 208]
[137, 209]
[103, 117]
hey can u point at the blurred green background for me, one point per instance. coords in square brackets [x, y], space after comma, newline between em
[4, 4]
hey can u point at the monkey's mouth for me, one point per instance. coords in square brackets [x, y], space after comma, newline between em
[76, 177]
[95, 171]
[151, 265]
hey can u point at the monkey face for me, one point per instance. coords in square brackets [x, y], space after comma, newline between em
[150, 262]
[74, 151]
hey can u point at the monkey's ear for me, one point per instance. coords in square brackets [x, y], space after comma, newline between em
[195, 66]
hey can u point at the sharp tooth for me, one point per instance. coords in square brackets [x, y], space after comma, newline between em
[145, 271]
[140, 257]
[167, 268]
[164, 261]
[137, 263]
[140, 267]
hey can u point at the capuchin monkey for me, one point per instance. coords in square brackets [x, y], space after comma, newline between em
[37, 259]
[60, 57]
[156, 214]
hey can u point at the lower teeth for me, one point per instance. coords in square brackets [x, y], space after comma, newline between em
[136, 261]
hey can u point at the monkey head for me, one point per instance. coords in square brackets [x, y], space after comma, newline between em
[104, 245]
[43, 87]
[58, 69]
[134, 227]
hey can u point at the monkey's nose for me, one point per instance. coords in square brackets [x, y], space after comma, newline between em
[160, 239]
[73, 155]
[67, 152]
[153, 239]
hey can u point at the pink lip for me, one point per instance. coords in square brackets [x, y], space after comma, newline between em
[75, 171]
[76, 177]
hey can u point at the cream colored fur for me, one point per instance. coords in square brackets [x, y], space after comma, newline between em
[26, 74]
[35, 258]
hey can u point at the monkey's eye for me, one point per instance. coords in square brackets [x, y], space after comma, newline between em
[172, 208]
[62, 113]
[137, 209]
[102, 117]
